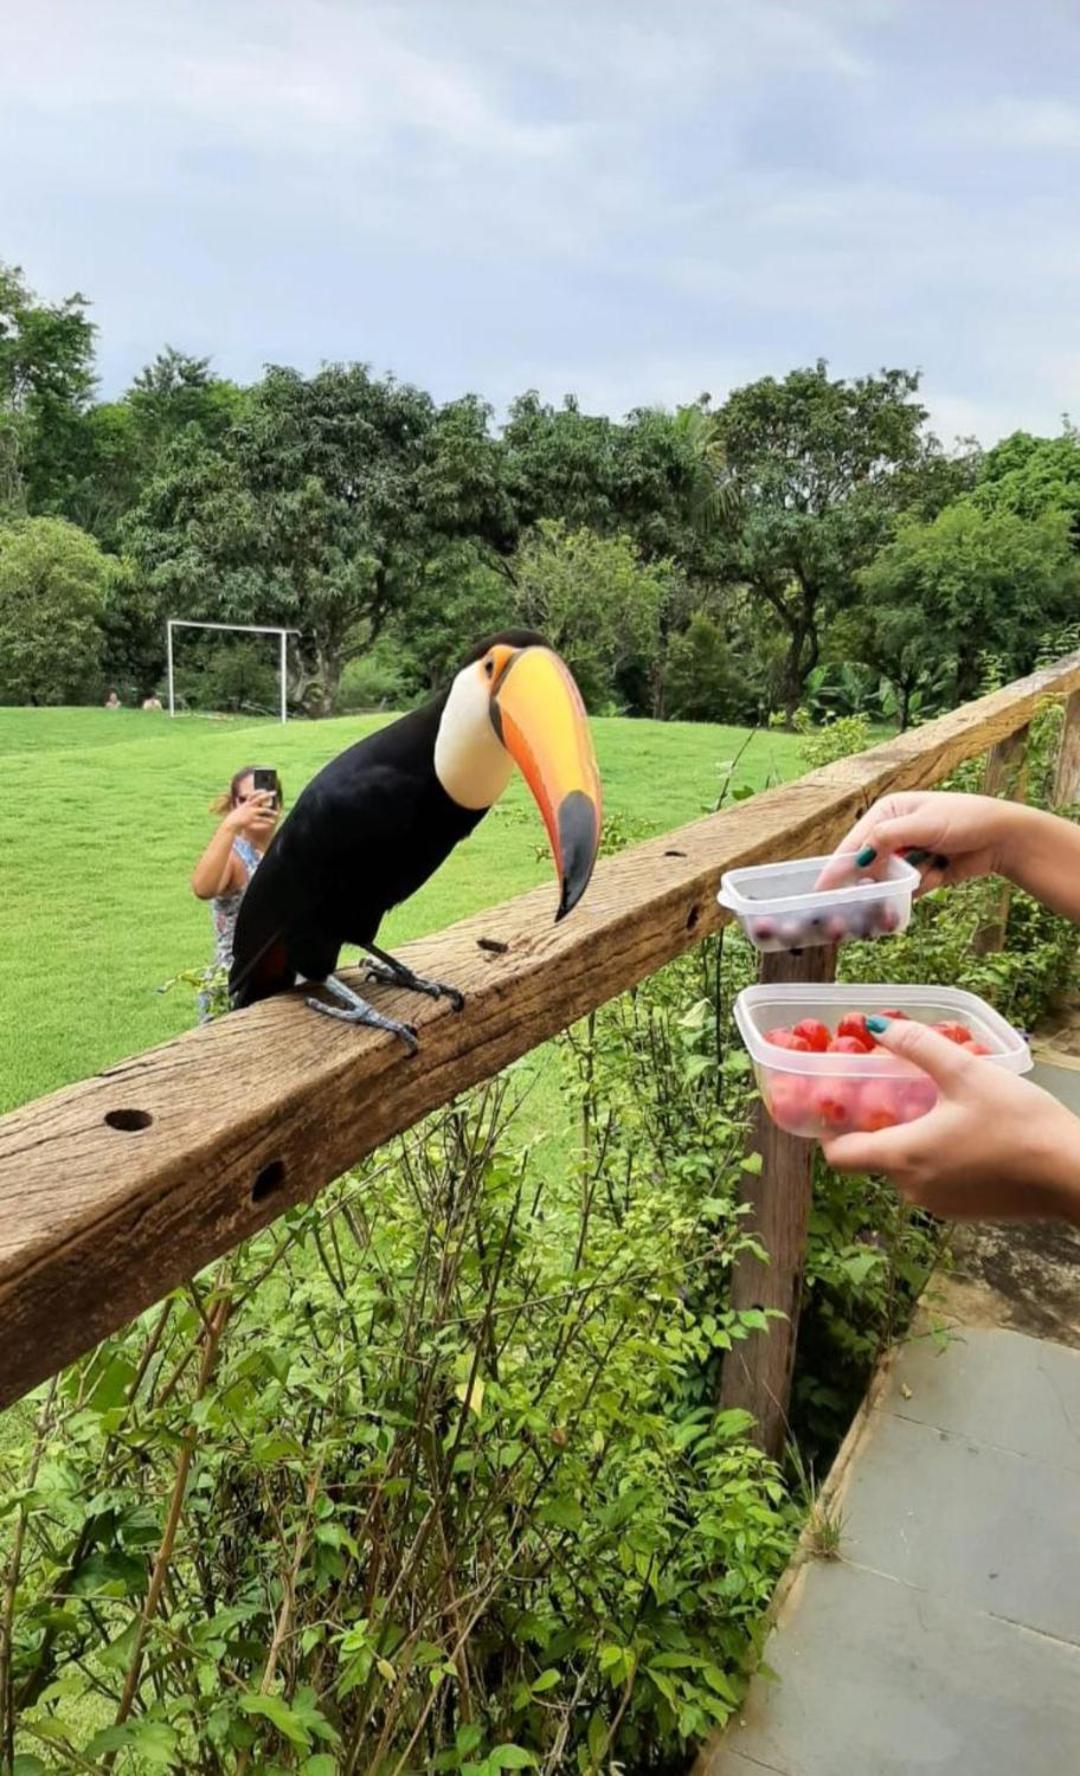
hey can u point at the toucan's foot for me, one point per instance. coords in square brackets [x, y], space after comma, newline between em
[387, 968]
[351, 1009]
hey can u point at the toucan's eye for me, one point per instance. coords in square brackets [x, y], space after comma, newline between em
[489, 667]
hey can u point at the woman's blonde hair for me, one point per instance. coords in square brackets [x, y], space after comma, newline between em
[226, 801]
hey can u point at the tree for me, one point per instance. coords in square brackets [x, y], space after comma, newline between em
[1029, 476]
[701, 682]
[46, 380]
[322, 507]
[595, 601]
[968, 584]
[658, 477]
[820, 468]
[54, 587]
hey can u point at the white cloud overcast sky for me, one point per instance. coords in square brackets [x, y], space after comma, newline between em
[633, 199]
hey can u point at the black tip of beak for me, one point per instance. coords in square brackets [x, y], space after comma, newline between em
[579, 838]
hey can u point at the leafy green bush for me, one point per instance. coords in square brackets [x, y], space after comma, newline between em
[429, 1476]
[377, 680]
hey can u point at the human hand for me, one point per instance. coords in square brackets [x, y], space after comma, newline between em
[949, 838]
[256, 816]
[993, 1147]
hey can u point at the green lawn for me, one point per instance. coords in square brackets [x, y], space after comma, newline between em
[103, 813]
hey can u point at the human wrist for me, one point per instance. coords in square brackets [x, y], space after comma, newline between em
[1016, 835]
[1057, 1170]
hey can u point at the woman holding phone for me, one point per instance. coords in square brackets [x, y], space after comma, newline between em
[250, 809]
[995, 1145]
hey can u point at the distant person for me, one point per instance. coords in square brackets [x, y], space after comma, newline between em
[152, 702]
[112, 701]
[250, 818]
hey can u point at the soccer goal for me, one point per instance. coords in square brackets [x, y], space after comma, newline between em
[236, 628]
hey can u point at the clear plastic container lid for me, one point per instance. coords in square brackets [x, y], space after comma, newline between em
[766, 1007]
[792, 887]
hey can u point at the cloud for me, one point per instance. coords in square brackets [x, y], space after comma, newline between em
[1046, 124]
[634, 200]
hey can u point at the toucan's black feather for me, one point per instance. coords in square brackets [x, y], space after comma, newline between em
[366, 832]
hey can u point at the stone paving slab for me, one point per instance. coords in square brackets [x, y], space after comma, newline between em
[994, 1531]
[879, 1679]
[946, 1638]
[997, 1388]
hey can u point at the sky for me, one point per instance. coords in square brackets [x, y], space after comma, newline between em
[634, 200]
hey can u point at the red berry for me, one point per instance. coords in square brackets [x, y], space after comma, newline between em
[784, 1038]
[785, 1095]
[880, 1106]
[902, 1015]
[953, 1032]
[977, 1048]
[853, 1023]
[847, 1045]
[832, 1102]
[813, 1032]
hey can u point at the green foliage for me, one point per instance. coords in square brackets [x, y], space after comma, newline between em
[701, 678]
[967, 582]
[318, 508]
[596, 602]
[54, 589]
[457, 1489]
[1028, 477]
[46, 378]
[818, 466]
[835, 740]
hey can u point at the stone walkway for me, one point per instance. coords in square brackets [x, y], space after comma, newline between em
[945, 1637]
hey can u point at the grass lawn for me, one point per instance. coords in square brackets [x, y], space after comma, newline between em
[104, 812]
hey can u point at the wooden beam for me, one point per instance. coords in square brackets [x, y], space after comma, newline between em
[758, 1371]
[1005, 775]
[115, 1190]
[1067, 779]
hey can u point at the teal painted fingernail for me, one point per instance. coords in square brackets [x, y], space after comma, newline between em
[917, 856]
[877, 1026]
[865, 856]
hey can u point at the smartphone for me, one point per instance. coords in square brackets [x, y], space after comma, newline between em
[265, 780]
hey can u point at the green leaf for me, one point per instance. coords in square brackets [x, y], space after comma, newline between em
[564, 1513]
[546, 1681]
[111, 1573]
[27, 1764]
[322, 1764]
[597, 1737]
[280, 1715]
[511, 1757]
[109, 1739]
[472, 1397]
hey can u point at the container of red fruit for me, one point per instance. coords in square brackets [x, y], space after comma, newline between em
[820, 1071]
[780, 906]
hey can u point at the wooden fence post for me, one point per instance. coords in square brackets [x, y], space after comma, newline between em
[1006, 775]
[1067, 779]
[758, 1370]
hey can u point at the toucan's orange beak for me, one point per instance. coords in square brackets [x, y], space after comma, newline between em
[538, 714]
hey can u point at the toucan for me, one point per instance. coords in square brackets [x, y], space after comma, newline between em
[381, 817]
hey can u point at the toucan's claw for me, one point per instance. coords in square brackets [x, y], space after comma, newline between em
[355, 1010]
[383, 967]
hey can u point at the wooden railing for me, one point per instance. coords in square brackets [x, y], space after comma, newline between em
[115, 1190]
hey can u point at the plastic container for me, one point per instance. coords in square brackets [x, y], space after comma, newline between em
[780, 908]
[820, 1095]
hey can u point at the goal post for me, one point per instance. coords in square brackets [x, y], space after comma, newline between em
[235, 628]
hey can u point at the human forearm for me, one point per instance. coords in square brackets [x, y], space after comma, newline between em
[214, 870]
[1041, 854]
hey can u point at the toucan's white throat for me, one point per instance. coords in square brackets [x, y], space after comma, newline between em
[471, 762]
